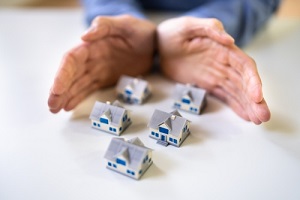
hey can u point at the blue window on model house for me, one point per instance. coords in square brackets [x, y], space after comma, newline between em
[177, 105]
[185, 128]
[146, 90]
[185, 100]
[121, 161]
[128, 92]
[112, 129]
[135, 100]
[193, 109]
[124, 118]
[163, 130]
[130, 172]
[145, 159]
[103, 120]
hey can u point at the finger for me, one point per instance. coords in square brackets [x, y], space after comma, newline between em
[211, 28]
[231, 102]
[262, 111]
[97, 73]
[56, 102]
[257, 112]
[107, 26]
[80, 84]
[73, 102]
[230, 73]
[253, 117]
[246, 66]
[208, 77]
[237, 96]
[70, 69]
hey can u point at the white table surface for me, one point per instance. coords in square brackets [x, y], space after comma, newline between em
[46, 156]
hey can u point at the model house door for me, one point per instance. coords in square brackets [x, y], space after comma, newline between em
[163, 138]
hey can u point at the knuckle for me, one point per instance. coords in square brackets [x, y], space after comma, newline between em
[216, 23]
[127, 17]
[99, 20]
[69, 57]
[252, 61]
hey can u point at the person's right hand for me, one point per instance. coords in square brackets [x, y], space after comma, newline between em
[111, 47]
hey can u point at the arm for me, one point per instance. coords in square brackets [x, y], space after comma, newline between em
[241, 18]
[94, 8]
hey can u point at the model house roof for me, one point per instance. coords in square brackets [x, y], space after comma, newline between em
[195, 94]
[114, 112]
[136, 85]
[174, 121]
[133, 151]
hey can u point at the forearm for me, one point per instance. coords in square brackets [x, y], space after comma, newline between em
[241, 18]
[93, 8]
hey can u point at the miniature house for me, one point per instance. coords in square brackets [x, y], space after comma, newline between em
[130, 158]
[133, 90]
[169, 128]
[112, 118]
[189, 98]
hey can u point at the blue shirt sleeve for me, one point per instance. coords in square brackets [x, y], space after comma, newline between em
[241, 18]
[93, 8]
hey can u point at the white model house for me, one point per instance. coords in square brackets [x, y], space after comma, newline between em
[189, 98]
[169, 128]
[130, 158]
[133, 90]
[112, 118]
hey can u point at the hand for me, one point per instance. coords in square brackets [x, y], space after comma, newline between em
[111, 47]
[199, 51]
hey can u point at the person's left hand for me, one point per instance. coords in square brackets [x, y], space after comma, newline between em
[199, 51]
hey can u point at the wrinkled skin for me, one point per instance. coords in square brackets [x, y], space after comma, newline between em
[192, 50]
[200, 52]
[110, 48]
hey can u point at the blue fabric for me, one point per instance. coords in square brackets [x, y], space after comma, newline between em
[241, 18]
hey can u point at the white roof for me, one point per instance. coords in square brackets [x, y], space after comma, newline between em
[197, 95]
[173, 120]
[133, 151]
[114, 112]
[137, 85]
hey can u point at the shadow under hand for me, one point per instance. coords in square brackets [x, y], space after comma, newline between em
[83, 109]
[281, 123]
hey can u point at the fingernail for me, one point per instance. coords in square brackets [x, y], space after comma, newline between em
[229, 37]
[92, 29]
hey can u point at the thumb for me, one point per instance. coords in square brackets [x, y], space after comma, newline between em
[211, 28]
[104, 27]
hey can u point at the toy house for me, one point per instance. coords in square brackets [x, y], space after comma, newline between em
[112, 118]
[169, 128]
[189, 98]
[133, 90]
[130, 158]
